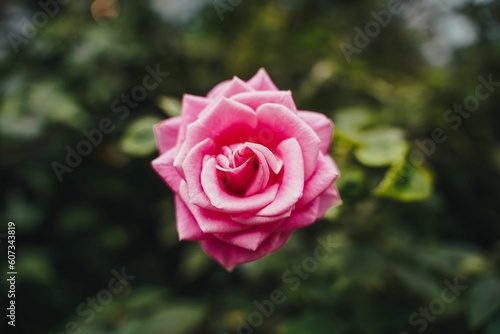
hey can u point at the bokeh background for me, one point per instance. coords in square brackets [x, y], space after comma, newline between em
[407, 226]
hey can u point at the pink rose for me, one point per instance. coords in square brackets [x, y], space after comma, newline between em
[247, 168]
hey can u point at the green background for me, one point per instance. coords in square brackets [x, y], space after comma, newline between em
[404, 229]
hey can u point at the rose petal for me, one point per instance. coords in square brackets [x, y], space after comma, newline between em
[285, 124]
[249, 239]
[261, 81]
[322, 125]
[224, 120]
[237, 179]
[255, 99]
[259, 181]
[192, 106]
[187, 227]
[210, 221]
[230, 256]
[166, 133]
[192, 166]
[229, 203]
[302, 218]
[217, 89]
[252, 219]
[261, 177]
[266, 156]
[230, 88]
[328, 199]
[163, 165]
[292, 183]
[326, 172]
[223, 162]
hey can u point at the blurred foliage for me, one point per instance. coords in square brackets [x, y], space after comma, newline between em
[406, 227]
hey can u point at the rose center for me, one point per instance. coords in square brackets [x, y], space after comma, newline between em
[245, 169]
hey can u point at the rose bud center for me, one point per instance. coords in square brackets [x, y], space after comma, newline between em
[245, 169]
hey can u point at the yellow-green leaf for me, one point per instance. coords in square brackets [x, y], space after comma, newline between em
[406, 182]
[170, 105]
[139, 139]
[381, 147]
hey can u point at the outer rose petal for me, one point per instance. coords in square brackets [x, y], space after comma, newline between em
[217, 89]
[254, 219]
[326, 172]
[322, 125]
[192, 106]
[210, 221]
[249, 239]
[230, 88]
[187, 227]
[328, 199]
[230, 256]
[262, 81]
[255, 99]
[163, 165]
[286, 124]
[166, 133]
[304, 217]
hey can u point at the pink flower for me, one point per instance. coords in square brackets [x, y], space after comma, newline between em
[247, 168]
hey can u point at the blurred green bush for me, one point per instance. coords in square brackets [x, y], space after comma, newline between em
[415, 217]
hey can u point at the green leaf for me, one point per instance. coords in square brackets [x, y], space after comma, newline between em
[381, 147]
[170, 105]
[484, 301]
[350, 122]
[139, 139]
[406, 182]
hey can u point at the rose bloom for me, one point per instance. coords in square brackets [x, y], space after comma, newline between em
[247, 168]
